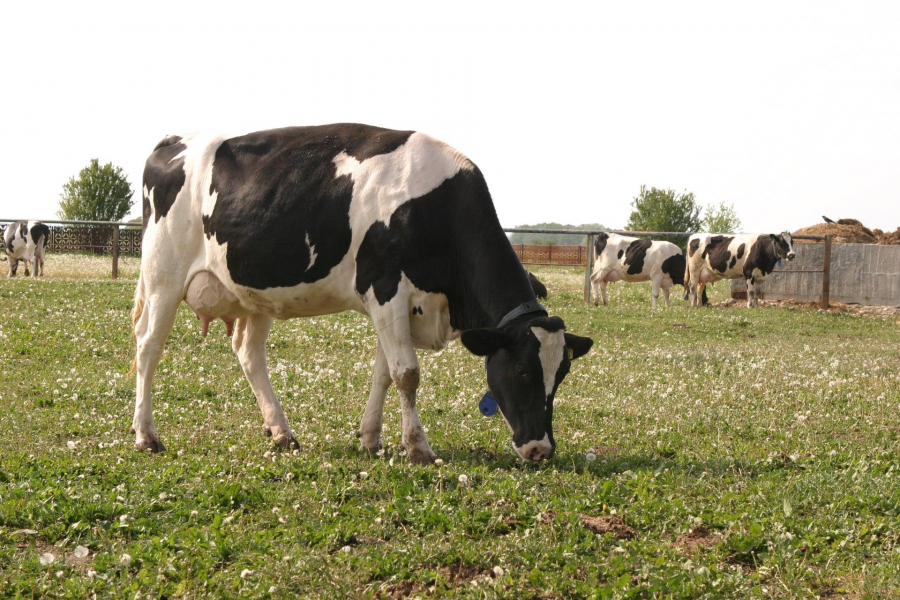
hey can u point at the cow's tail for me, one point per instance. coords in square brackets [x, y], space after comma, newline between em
[136, 313]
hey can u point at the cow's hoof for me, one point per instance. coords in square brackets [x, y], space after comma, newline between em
[371, 448]
[418, 456]
[287, 442]
[153, 444]
[370, 443]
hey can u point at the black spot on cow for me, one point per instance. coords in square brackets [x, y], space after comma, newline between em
[740, 251]
[163, 177]
[417, 310]
[621, 253]
[635, 255]
[762, 256]
[733, 262]
[39, 231]
[674, 267]
[600, 243]
[692, 247]
[277, 189]
[421, 242]
[540, 290]
[717, 251]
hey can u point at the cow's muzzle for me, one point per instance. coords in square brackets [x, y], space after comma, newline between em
[535, 450]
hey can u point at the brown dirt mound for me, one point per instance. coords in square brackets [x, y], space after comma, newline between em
[841, 233]
[889, 238]
[851, 231]
[614, 525]
[700, 537]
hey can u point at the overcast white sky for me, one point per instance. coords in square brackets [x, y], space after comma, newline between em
[789, 110]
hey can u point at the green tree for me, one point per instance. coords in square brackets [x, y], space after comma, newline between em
[553, 238]
[99, 193]
[721, 219]
[665, 210]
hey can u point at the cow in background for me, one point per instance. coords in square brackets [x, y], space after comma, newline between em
[25, 241]
[748, 256]
[622, 258]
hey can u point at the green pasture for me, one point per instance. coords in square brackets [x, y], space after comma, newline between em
[736, 454]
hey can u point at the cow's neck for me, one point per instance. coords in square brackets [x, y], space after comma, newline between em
[767, 257]
[491, 279]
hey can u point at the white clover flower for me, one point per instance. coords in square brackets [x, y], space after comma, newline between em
[81, 552]
[464, 479]
[439, 463]
[70, 445]
[246, 573]
[363, 475]
[125, 559]
[47, 559]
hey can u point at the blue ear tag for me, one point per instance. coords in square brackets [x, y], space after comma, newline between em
[487, 406]
[779, 263]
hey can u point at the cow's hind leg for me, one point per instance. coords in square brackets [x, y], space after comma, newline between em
[370, 427]
[249, 343]
[603, 292]
[156, 317]
[666, 296]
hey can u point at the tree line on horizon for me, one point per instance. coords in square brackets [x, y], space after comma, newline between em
[653, 209]
[103, 193]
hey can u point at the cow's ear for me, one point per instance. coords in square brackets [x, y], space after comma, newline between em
[577, 345]
[482, 342]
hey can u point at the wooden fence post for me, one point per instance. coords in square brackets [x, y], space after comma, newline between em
[826, 274]
[588, 258]
[115, 252]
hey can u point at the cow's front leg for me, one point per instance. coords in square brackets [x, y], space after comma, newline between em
[595, 286]
[603, 292]
[392, 325]
[751, 289]
[370, 427]
[666, 296]
[249, 343]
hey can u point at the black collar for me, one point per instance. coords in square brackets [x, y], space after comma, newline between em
[532, 306]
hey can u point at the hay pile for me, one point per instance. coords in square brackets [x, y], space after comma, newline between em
[851, 231]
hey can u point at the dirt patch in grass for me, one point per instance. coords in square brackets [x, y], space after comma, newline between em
[612, 524]
[453, 575]
[699, 537]
[834, 307]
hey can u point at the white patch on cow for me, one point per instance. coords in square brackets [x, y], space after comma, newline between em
[383, 183]
[312, 252]
[553, 347]
[527, 450]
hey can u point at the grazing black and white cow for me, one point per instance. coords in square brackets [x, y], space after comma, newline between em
[746, 256]
[25, 241]
[307, 221]
[539, 289]
[622, 258]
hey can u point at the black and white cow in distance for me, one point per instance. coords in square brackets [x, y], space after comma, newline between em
[746, 256]
[307, 221]
[622, 258]
[25, 241]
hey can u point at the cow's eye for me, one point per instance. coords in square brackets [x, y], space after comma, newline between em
[522, 372]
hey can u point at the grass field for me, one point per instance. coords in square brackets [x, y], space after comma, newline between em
[739, 454]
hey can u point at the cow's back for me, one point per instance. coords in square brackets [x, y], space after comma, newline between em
[280, 214]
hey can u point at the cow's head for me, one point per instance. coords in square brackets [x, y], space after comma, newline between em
[784, 246]
[526, 360]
